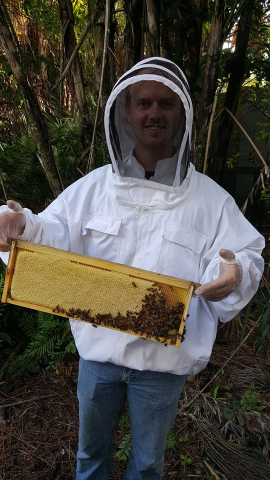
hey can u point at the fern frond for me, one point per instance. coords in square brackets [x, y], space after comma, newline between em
[28, 323]
[124, 448]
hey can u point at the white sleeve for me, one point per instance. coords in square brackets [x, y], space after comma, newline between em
[49, 227]
[235, 233]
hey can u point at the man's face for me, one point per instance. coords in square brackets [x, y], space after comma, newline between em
[155, 113]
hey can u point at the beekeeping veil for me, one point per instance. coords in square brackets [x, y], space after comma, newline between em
[119, 133]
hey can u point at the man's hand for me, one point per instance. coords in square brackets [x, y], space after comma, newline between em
[227, 281]
[12, 224]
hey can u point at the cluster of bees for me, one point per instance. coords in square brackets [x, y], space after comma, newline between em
[154, 320]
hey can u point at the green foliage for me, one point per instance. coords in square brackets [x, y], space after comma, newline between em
[28, 186]
[66, 142]
[43, 14]
[265, 197]
[124, 423]
[43, 339]
[185, 460]
[124, 448]
[250, 401]
[172, 441]
[184, 438]
[233, 160]
[48, 340]
[264, 132]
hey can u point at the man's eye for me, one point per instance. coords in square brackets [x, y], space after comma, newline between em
[167, 104]
[143, 103]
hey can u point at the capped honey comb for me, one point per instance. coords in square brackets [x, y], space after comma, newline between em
[99, 292]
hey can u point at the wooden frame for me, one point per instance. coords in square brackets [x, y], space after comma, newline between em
[181, 288]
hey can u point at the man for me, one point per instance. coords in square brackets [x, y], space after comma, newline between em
[150, 210]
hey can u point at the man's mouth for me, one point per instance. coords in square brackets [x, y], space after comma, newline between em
[155, 127]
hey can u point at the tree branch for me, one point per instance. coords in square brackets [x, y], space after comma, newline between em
[33, 399]
[75, 51]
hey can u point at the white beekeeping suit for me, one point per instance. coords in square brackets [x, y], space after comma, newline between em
[173, 223]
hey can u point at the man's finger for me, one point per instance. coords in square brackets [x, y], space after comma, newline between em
[210, 286]
[4, 246]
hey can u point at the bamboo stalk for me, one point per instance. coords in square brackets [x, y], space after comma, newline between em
[210, 128]
[211, 470]
[90, 163]
[267, 173]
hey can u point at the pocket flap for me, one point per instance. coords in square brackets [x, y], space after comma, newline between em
[102, 224]
[187, 237]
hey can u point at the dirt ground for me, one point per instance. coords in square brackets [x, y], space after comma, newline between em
[213, 437]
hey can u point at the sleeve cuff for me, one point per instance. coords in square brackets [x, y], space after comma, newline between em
[244, 283]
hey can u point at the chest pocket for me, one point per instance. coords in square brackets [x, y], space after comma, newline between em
[181, 252]
[102, 237]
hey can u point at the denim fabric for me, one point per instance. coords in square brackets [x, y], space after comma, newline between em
[152, 401]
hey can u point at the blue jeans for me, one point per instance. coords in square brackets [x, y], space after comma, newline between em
[152, 401]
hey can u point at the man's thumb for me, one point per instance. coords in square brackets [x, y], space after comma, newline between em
[227, 256]
[14, 206]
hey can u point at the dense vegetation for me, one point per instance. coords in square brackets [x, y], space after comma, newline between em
[59, 60]
[58, 63]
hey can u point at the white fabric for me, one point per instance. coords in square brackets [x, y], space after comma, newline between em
[178, 234]
[173, 230]
[164, 173]
[228, 262]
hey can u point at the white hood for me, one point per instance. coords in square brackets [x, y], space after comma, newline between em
[119, 134]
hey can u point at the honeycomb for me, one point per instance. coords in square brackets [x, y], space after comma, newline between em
[97, 295]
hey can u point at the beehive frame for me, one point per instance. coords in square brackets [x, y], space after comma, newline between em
[21, 260]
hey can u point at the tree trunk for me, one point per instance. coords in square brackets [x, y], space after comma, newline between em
[152, 37]
[38, 126]
[236, 69]
[196, 15]
[209, 86]
[181, 35]
[133, 33]
[70, 42]
[170, 33]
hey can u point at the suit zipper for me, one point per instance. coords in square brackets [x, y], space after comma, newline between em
[139, 210]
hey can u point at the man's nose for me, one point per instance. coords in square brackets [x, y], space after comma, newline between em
[155, 111]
